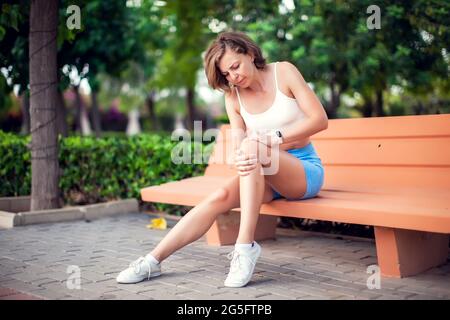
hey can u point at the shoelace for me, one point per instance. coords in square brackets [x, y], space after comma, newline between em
[136, 265]
[235, 257]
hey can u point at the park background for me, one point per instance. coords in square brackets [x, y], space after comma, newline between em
[128, 73]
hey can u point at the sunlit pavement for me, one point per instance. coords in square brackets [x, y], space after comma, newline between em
[80, 260]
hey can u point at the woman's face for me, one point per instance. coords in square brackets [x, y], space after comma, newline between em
[237, 68]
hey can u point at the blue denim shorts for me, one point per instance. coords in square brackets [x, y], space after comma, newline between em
[313, 170]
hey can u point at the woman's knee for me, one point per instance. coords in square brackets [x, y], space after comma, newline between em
[255, 147]
[263, 153]
[248, 147]
[221, 199]
[220, 195]
[227, 195]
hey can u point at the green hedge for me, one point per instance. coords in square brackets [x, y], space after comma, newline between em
[15, 172]
[97, 170]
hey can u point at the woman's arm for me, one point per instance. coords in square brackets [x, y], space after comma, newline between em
[236, 122]
[243, 163]
[316, 117]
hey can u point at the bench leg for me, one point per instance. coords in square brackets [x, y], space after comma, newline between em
[403, 253]
[225, 229]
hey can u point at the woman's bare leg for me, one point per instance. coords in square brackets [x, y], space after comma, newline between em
[199, 219]
[252, 194]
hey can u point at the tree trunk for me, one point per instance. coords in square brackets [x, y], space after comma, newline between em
[190, 94]
[61, 116]
[334, 101]
[379, 112]
[43, 102]
[367, 109]
[25, 106]
[133, 126]
[150, 102]
[85, 124]
[418, 108]
[82, 119]
[79, 107]
[96, 115]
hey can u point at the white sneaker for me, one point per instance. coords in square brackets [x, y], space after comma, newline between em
[138, 271]
[242, 265]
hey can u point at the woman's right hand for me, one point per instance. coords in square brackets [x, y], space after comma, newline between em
[244, 163]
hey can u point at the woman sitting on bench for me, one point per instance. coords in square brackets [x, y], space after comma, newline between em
[272, 112]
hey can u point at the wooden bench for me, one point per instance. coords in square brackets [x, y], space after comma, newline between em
[392, 173]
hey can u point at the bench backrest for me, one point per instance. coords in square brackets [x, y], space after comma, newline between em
[374, 154]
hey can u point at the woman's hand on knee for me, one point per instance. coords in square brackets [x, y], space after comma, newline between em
[245, 163]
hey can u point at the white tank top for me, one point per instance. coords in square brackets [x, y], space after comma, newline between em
[283, 111]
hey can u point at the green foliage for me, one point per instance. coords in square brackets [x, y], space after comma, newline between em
[14, 29]
[134, 81]
[105, 42]
[97, 170]
[330, 43]
[157, 45]
[186, 41]
[15, 165]
[10, 17]
[223, 119]
[5, 97]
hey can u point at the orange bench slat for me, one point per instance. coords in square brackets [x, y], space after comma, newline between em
[422, 212]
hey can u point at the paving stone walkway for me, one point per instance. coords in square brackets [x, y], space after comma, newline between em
[44, 261]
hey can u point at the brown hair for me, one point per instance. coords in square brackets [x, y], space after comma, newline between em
[238, 42]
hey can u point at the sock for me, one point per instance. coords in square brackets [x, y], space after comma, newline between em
[244, 246]
[151, 259]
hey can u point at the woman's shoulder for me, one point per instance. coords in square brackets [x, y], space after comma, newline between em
[291, 74]
[287, 66]
[230, 95]
[231, 99]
